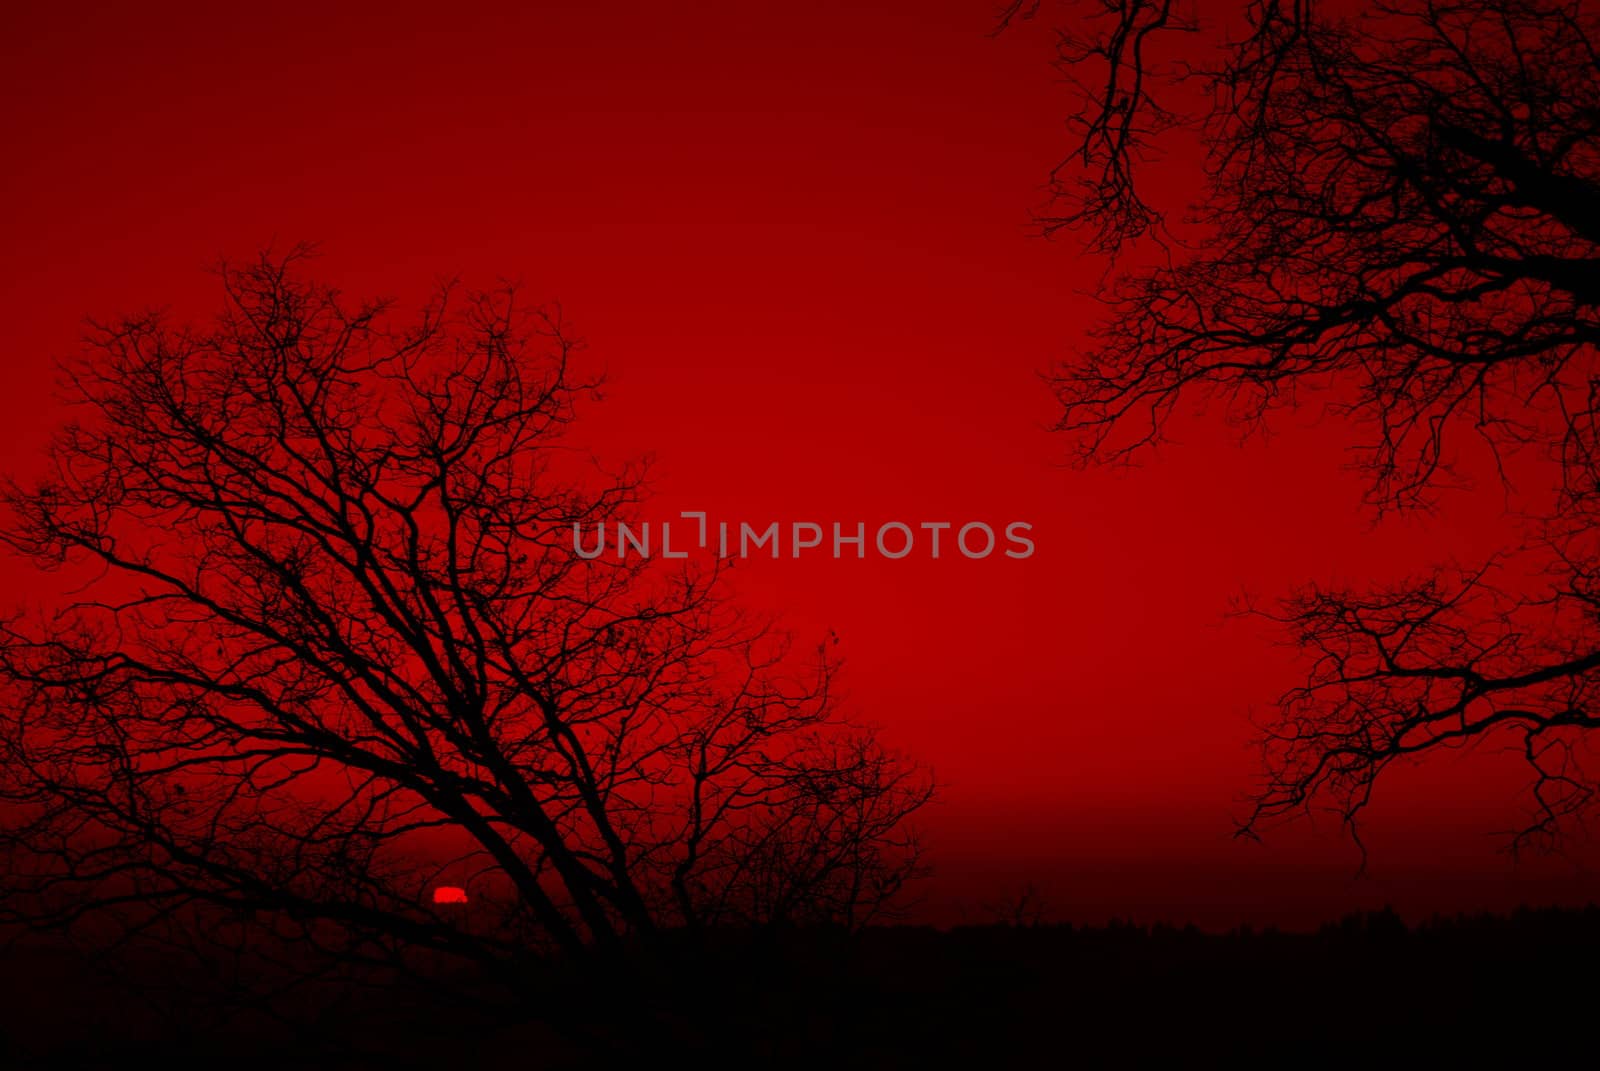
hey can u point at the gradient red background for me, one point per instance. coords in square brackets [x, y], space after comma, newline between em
[797, 238]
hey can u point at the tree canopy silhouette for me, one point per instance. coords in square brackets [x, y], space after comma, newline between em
[1399, 218]
[326, 643]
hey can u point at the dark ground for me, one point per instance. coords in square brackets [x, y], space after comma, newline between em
[1367, 989]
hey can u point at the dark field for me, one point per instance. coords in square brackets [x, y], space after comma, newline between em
[1367, 988]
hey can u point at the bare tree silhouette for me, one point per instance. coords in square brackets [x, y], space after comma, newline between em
[1399, 219]
[327, 644]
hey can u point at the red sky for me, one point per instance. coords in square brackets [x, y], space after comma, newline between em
[797, 238]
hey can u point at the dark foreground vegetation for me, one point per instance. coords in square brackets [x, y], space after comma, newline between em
[894, 997]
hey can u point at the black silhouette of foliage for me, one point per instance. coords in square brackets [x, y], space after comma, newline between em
[1399, 219]
[324, 642]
